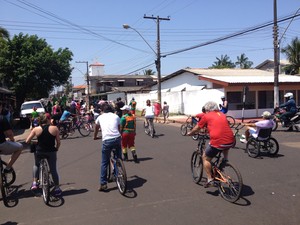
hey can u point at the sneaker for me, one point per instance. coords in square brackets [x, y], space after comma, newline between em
[243, 136]
[103, 187]
[135, 158]
[243, 140]
[57, 192]
[7, 170]
[210, 184]
[34, 186]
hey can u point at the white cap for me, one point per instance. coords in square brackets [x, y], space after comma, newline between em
[125, 107]
[266, 115]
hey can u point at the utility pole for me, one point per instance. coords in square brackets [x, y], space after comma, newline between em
[87, 82]
[158, 55]
[276, 57]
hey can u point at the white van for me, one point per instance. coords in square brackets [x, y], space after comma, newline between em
[27, 109]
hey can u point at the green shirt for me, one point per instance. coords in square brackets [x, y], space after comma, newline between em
[128, 123]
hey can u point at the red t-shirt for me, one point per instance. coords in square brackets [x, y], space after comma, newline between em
[221, 135]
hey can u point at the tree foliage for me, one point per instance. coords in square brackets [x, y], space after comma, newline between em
[30, 67]
[243, 62]
[292, 52]
[149, 72]
[223, 62]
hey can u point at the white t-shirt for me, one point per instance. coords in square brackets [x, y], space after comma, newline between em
[109, 123]
[149, 112]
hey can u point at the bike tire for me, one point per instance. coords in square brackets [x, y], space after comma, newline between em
[121, 177]
[10, 177]
[146, 128]
[273, 146]
[196, 167]
[275, 125]
[183, 129]
[4, 190]
[63, 133]
[252, 148]
[230, 184]
[195, 137]
[44, 180]
[84, 129]
[231, 121]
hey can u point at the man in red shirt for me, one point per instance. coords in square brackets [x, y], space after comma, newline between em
[221, 136]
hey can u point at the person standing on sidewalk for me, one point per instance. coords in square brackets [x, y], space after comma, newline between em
[128, 128]
[8, 147]
[109, 123]
[165, 111]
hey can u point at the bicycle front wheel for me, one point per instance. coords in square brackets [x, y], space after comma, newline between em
[230, 183]
[146, 128]
[252, 148]
[231, 121]
[84, 129]
[121, 177]
[44, 180]
[196, 167]
[183, 129]
[9, 177]
[4, 190]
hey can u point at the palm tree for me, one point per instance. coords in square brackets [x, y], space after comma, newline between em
[243, 62]
[292, 52]
[223, 62]
[4, 34]
[149, 72]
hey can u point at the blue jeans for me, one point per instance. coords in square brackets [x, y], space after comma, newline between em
[107, 147]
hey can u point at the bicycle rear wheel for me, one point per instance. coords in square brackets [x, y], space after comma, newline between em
[146, 128]
[4, 190]
[84, 129]
[230, 182]
[252, 148]
[44, 180]
[183, 129]
[10, 177]
[231, 121]
[121, 177]
[196, 166]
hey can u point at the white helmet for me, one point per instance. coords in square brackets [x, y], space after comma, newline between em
[289, 95]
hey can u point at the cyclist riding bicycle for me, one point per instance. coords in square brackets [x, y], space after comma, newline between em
[48, 144]
[8, 147]
[148, 112]
[224, 105]
[221, 137]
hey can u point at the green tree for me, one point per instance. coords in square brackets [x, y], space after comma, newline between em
[243, 62]
[4, 34]
[30, 67]
[223, 62]
[149, 72]
[292, 52]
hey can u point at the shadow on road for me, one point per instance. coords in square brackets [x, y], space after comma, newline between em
[132, 184]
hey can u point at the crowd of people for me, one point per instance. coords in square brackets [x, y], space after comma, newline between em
[117, 122]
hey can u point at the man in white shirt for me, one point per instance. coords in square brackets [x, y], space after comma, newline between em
[111, 139]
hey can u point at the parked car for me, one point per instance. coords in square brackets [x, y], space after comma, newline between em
[26, 110]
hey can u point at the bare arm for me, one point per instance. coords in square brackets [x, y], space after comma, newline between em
[9, 133]
[97, 127]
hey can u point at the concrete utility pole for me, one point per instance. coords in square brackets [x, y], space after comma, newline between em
[158, 55]
[276, 57]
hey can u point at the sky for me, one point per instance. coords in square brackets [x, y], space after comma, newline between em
[93, 31]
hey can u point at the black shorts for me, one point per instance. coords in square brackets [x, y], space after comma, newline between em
[211, 151]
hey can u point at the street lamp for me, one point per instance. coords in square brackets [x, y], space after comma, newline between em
[87, 82]
[157, 61]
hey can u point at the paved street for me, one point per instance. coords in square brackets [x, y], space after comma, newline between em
[161, 190]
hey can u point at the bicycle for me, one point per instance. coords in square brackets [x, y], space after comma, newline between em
[231, 121]
[227, 178]
[149, 127]
[237, 134]
[116, 171]
[189, 124]
[6, 180]
[68, 128]
[45, 179]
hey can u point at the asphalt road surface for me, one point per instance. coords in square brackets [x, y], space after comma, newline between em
[161, 190]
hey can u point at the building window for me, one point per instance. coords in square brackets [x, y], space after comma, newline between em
[139, 82]
[121, 83]
[235, 100]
